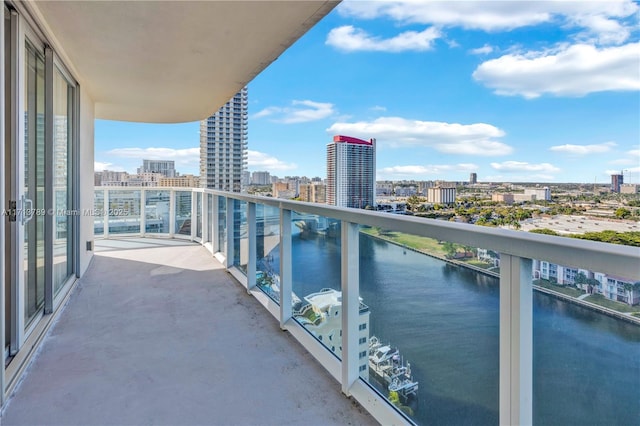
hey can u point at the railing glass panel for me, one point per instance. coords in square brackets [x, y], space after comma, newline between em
[317, 299]
[198, 214]
[240, 236]
[124, 211]
[584, 347]
[268, 250]
[432, 342]
[440, 310]
[183, 212]
[157, 211]
[98, 212]
[210, 212]
[222, 225]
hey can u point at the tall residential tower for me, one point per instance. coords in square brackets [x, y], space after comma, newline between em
[223, 145]
[351, 172]
[616, 182]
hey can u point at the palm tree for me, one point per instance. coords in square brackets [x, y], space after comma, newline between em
[580, 280]
[592, 283]
[628, 287]
[636, 288]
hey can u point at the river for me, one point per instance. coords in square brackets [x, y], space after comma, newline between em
[444, 320]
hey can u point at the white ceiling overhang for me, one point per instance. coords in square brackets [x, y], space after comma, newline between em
[171, 61]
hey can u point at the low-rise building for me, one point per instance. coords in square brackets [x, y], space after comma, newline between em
[322, 316]
[630, 188]
[613, 288]
[313, 193]
[538, 194]
[184, 181]
[502, 197]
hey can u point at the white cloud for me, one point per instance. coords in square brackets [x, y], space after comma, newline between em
[262, 161]
[625, 172]
[486, 49]
[521, 166]
[584, 149]
[298, 112]
[100, 166]
[378, 108]
[452, 138]
[632, 158]
[570, 71]
[533, 177]
[267, 112]
[599, 20]
[433, 169]
[182, 157]
[350, 39]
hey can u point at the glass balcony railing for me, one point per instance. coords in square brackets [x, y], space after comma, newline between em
[423, 321]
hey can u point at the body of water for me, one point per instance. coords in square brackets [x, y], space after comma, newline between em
[444, 320]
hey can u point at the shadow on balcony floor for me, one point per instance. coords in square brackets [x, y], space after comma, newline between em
[160, 334]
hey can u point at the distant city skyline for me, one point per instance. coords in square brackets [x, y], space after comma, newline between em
[511, 91]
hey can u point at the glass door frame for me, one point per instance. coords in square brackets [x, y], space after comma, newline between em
[21, 31]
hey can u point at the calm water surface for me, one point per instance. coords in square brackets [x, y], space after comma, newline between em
[444, 320]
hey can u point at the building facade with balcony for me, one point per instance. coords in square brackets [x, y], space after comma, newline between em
[351, 172]
[223, 145]
[610, 286]
[441, 195]
[166, 168]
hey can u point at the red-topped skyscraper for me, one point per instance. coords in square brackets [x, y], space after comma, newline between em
[351, 172]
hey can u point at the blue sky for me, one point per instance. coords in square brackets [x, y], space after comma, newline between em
[514, 91]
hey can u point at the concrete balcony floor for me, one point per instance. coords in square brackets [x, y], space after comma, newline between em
[157, 332]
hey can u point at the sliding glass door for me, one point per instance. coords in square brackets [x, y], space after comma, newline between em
[62, 228]
[40, 214]
[32, 197]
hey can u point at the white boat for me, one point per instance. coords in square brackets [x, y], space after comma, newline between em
[387, 364]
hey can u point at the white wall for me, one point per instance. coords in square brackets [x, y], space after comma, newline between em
[86, 177]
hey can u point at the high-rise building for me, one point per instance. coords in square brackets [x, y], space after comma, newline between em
[616, 181]
[441, 195]
[166, 168]
[223, 145]
[313, 192]
[351, 172]
[260, 178]
[473, 178]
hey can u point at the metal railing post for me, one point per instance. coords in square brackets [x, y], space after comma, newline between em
[251, 242]
[215, 238]
[172, 213]
[516, 341]
[143, 207]
[229, 255]
[350, 277]
[286, 271]
[206, 236]
[105, 213]
[194, 215]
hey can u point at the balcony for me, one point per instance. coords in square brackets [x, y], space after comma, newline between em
[480, 349]
[160, 330]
